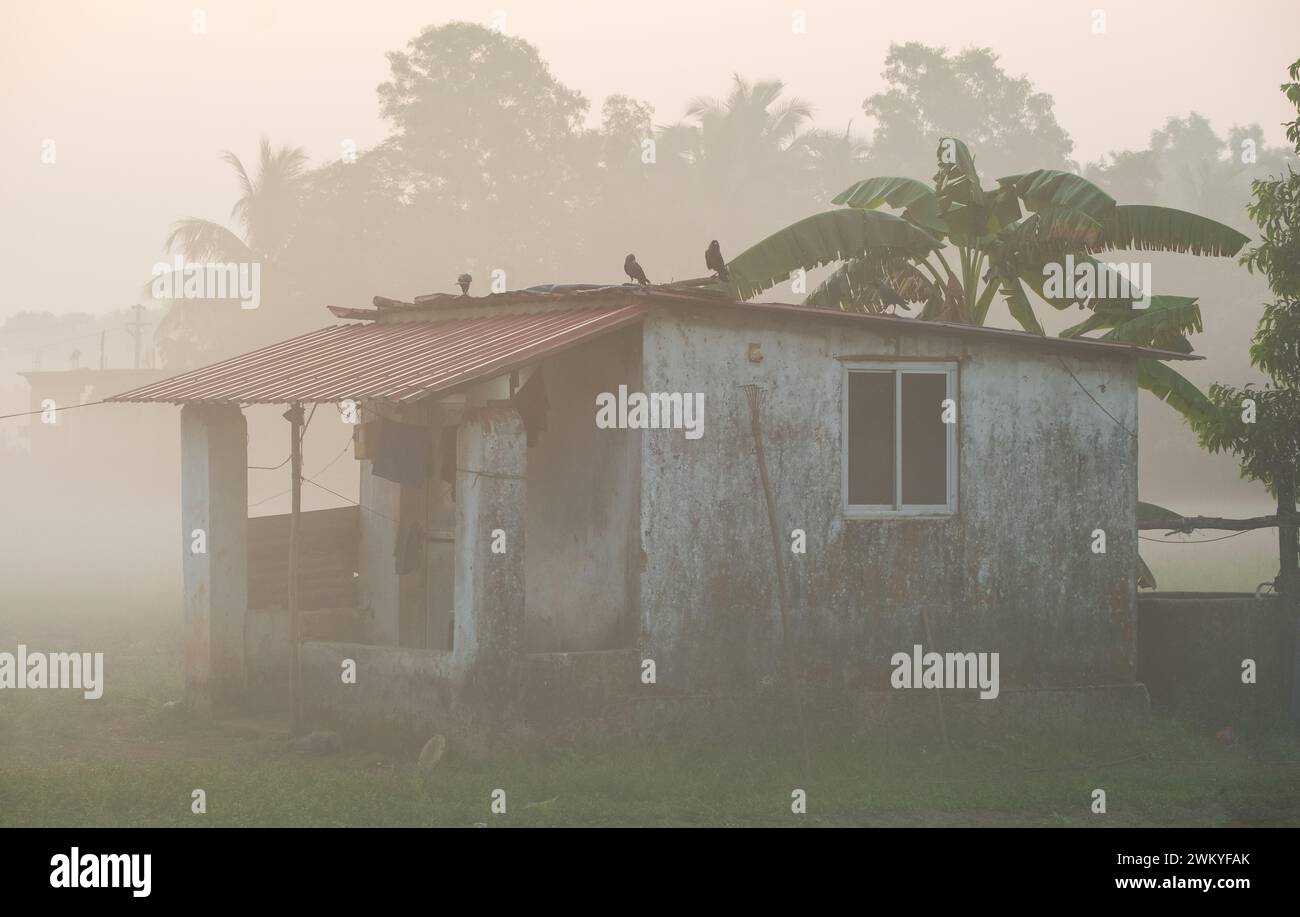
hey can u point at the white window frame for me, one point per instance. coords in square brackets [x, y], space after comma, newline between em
[898, 368]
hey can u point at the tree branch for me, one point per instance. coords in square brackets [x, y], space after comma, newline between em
[1188, 524]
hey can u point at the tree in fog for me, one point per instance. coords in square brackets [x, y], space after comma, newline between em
[730, 166]
[486, 149]
[835, 159]
[1188, 165]
[934, 94]
[266, 212]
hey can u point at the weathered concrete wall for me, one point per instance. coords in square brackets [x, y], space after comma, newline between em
[400, 695]
[491, 501]
[378, 592]
[410, 692]
[1191, 646]
[1040, 466]
[582, 505]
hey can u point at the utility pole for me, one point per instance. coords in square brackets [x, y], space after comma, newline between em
[102, 334]
[137, 327]
[294, 416]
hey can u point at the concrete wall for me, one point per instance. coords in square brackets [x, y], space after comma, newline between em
[1040, 467]
[582, 505]
[378, 592]
[1191, 646]
[400, 696]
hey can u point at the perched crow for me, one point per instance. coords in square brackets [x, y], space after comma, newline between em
[633, 270]
[463, 281]
[888, 295]
[713, 259]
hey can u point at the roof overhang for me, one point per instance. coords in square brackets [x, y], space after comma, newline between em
[387, 361]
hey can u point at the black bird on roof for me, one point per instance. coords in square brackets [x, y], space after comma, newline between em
[463, 281]
[713, 260]
[633, 270]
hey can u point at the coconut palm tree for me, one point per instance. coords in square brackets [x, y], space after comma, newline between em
[731, 159]
[834, 158]
[752, 124]
[266, 210]
[267, 214]
[956, 247]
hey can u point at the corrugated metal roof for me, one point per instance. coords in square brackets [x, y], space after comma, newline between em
[399, 361]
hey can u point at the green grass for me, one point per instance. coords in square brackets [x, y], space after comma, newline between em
[1165, 774]
[125, 760]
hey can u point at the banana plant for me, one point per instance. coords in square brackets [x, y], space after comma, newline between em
[955, 247]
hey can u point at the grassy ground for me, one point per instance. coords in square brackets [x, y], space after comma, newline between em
[127, 760]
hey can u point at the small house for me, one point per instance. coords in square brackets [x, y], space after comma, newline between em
[562, 516]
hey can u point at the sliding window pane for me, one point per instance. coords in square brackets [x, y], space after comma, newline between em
[925, 439]
[871, 439]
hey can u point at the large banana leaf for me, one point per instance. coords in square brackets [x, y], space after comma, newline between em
[1045, 188]
[1149, 513]
[917, 200]
[1158, 325]
[1145, 578]
[836, 235]
[1035, 277]
[1164, 324]
[957, 181]
[855, 286]
[1140, 227]
[1176, 391]
[1054, 231]
[1019, 306]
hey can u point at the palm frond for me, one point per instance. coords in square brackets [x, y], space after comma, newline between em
[204, 240]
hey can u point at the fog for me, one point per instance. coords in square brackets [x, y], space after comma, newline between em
[605, 624]
[388, 151]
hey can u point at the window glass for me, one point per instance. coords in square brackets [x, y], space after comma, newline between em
[925, 439]
[871, 438]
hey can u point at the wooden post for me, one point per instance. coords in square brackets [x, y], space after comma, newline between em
[754, 395]
[1288, 579]
[294, 416]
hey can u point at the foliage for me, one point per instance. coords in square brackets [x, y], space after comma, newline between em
[933, 94]
[1007, 241]
[1267, 439]
[267, 212]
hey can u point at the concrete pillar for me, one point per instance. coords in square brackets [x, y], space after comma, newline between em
[214, 502]
[491, 461]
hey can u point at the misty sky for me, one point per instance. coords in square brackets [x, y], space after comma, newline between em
[140, 106]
